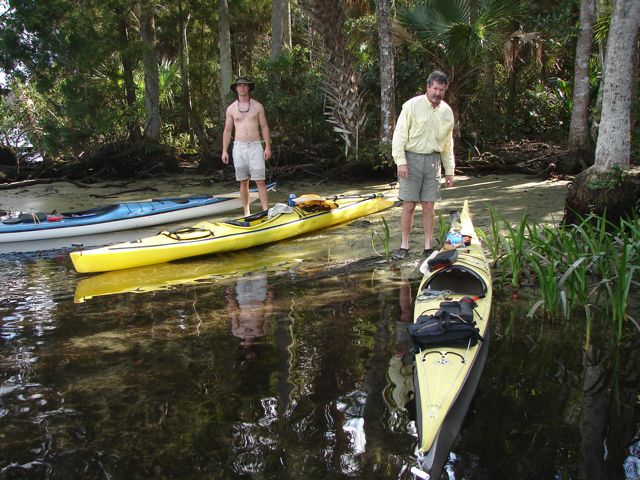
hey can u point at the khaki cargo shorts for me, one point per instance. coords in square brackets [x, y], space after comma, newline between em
[248, 160]
[423, 184]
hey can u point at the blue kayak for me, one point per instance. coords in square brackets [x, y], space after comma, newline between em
[116, 217]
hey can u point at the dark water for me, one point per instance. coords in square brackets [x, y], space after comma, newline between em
[287, 372]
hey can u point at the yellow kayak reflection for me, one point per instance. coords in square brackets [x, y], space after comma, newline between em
[163, 276]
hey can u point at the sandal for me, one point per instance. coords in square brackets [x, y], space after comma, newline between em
[400, 254]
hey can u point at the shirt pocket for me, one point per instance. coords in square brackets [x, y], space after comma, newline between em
[444, 126]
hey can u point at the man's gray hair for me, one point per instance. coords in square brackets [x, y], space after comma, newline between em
[438, 77]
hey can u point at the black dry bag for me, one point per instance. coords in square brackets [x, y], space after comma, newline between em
[451, 326]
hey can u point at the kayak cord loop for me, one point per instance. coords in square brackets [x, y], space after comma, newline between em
[177, 234]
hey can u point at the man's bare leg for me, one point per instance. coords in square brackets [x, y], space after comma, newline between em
[262, 194]
[427, 223]
[406, 223]
[244, 196]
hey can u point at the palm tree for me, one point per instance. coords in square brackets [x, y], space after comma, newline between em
[459, 39]
[344, 104]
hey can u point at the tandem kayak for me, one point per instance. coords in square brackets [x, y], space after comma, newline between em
[450, 333]
[306, 214]
[117, 217]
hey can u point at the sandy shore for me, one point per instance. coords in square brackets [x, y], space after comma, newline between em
[510, 195]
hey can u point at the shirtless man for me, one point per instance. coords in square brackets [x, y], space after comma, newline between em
[247, 116]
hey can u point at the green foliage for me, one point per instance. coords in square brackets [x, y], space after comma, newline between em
[385, 240]
[590, 267]
[609, 180]
[289, 88]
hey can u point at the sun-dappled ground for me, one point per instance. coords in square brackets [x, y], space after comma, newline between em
[510, 195]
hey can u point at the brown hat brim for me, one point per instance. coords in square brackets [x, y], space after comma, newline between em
[242, 81]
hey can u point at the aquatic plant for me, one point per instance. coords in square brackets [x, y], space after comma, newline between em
[385, 240]
[588, 266]
[514, 244]
[494, 241]
[442, 229]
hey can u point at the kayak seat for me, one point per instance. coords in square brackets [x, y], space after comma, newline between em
[91, 212]
[246, 221]
[188, 233]
[457, 279]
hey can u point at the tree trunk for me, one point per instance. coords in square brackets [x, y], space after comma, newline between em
[613, 148]
[276, 29]
[194, 118]
[580, 147]
[387, 76]
[225, 56]
[344, 105]
[603, 188]
[183, 48]
[489, 88]
[286, 24]
[151, 75]
[133, 128]
[612, 194]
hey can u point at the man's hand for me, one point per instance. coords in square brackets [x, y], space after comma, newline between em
[267, 152]
[448, 181]
[403, 171]
[225, 158]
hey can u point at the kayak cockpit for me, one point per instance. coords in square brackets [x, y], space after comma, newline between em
[457, 279]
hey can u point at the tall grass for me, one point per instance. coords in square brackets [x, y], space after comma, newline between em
[384, 239]
[492, 242]
[443, 229]
[590, 266]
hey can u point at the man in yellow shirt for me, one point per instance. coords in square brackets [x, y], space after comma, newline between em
[422, 145]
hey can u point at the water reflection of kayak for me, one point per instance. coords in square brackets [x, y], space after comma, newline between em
[309, 213]
[117, 217]
[163, 276]
[454, 300]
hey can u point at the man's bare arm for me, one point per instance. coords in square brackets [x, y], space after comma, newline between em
[226, 135]
[266, 133]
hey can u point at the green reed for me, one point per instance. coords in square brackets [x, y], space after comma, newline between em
[493, 242]
[553, 299]
[620, 285]
[443, 229]
[514, 241]
[587, 266]
[385, 240]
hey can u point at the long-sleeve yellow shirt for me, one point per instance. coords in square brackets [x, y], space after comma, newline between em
[424, 129]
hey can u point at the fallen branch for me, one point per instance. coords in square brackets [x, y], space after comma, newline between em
[115, 194]
[42, 181]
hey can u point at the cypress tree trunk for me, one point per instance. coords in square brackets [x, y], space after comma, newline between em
[614, 138]
[225, 56]
[276, 28]
[580, 147]
[286, 24]
[151, 74]
[133, 128]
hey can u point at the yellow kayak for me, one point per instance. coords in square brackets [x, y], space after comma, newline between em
[447, 371]
[307, 214]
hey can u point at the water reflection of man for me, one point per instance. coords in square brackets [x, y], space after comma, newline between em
[249, 310]
[401, 364]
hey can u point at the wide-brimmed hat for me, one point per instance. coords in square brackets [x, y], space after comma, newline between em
[243, 80]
